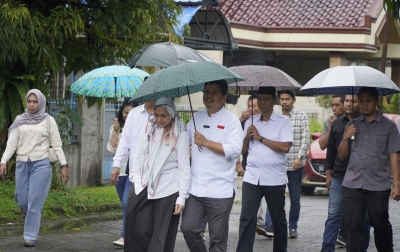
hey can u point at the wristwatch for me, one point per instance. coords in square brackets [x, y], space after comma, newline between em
[300, 156]
[64, 165]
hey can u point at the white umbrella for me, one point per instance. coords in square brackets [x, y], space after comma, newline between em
[348, 80]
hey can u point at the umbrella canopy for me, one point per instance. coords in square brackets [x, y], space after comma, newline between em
[348, 80]
[110, 82]
[184, 79]
[165, 55]
[264, 76]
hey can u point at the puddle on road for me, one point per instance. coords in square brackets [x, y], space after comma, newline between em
[48, 226]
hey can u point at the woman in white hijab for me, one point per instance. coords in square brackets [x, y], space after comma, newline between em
[161, 180]
[29, 136]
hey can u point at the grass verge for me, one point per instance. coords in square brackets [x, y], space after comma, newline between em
[63, 202]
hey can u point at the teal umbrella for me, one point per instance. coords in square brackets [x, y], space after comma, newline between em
[183, 79]
[110, 82]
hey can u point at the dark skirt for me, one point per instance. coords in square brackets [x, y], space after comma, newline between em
[149, 223]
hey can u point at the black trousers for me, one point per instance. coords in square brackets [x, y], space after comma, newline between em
[149, 223]
[355, 203]
[251, 199]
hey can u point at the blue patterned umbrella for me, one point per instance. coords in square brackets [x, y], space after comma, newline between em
[110, 82]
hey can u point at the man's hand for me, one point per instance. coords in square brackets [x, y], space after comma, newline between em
[296, 163]
[332, 118]
[350, 131]
[246, 114]
[65, 175]
[178, 209]
[328, 181]
[395, 193]
[199, 139]
[114, 175]
[3, 170]
[253, 132]
[239, 169]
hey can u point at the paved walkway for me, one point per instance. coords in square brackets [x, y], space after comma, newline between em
[99, 236]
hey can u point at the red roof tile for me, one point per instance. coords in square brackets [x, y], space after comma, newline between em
[297, 13]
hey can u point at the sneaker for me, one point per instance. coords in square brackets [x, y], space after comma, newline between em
[293, 233]
[265, 230]
[341, 242]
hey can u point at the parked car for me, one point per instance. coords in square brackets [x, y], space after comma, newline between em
[314, 173]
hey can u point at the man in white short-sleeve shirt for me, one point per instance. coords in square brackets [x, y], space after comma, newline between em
[267, 139]
[216, 138]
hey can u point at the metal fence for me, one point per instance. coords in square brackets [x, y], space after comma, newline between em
[54, 107]
[109, 115]
[185, 112]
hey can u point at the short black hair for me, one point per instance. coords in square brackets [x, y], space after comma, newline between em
[373, 91]
[289, 92]
[252, 97]
[121, 109]
[223, 85]
[342, 97]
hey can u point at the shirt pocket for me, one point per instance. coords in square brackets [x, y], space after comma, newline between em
[380, 141]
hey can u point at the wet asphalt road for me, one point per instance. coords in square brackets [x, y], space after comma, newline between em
[98, 236]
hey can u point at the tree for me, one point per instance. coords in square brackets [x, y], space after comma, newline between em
[38, 38]
[392, 6]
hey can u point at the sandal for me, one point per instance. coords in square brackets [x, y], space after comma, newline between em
[29, 243]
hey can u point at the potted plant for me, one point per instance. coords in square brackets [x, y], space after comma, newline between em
[232, 97]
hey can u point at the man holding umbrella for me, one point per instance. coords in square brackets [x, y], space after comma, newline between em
[367, 183]
[335, 171]
[267, 140]
[216, 146]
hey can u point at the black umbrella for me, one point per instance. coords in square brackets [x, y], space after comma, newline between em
[165, 55]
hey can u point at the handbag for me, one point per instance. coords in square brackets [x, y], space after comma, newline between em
[52, 153]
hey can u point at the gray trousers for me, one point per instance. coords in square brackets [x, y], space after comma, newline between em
[216, 212]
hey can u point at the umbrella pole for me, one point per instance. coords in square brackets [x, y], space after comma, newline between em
[116, 104]
[251, 138]
[191, 110]
[352, 104]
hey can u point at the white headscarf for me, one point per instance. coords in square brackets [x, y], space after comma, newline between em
[157, 149]
[27, 117]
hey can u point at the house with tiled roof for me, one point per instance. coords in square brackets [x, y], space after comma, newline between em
[303, 37]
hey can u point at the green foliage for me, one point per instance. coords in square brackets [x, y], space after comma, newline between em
[393, 107]
[65, 119]
[324, 100]
[392, 7]
[40, 38]
[315, 126]
[60, 197]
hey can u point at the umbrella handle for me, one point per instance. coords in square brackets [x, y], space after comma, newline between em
[191, 110]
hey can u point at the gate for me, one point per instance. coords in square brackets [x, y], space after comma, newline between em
[109, 115]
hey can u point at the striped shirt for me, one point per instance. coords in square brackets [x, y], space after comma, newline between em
[301, 137]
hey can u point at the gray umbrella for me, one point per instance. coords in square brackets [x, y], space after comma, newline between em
[165, 55]
[263, 76]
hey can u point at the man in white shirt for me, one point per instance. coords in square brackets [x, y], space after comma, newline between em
[216, 145]
[267, 141]
[135, 125]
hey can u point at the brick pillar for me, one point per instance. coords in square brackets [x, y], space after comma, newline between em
[337, 59]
